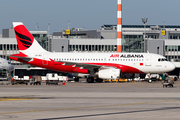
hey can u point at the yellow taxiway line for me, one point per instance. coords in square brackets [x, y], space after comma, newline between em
[91, 107]
[14, 99]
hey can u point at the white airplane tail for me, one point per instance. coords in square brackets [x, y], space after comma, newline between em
[26, 42]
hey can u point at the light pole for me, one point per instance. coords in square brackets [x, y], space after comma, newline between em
[144, 20]
[48, 36]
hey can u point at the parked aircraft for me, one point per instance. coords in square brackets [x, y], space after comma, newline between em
[6, 65]
[99, 66]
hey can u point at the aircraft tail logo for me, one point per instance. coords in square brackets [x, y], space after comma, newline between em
[24, 38]
[26, 42]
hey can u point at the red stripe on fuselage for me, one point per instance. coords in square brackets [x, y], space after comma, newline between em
[52, 65]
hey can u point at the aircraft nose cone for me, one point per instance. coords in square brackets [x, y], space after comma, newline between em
[11, 67]
[172, 67]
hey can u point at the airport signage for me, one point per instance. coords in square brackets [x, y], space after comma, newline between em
[68, 31]
[163, 32]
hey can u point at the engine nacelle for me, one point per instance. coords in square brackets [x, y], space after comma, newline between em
[109, 73]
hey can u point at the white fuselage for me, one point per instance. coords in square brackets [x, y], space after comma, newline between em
[144, 62]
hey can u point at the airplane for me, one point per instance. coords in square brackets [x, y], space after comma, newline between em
[6, 65]
[98, 66]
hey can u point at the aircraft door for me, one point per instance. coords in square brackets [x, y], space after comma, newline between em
[148, 61]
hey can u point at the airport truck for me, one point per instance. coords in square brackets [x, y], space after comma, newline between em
[20, 79]
[52, 78]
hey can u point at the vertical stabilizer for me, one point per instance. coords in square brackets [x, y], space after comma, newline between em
[26, 42]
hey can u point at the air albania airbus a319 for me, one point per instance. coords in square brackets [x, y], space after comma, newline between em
[98, 66]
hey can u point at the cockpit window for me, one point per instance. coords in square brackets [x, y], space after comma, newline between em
[162, 59]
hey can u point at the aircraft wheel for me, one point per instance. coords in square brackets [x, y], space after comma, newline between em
[90, 79]
[99, 80]
[76, 79]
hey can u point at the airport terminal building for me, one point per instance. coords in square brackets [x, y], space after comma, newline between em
[159, 39]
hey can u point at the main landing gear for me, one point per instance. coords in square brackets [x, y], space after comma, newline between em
[76, 79]
[98, 80]
[91, 80]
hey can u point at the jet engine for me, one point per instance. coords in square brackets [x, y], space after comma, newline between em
[109, 73]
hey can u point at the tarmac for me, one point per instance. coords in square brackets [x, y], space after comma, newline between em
[90, 101]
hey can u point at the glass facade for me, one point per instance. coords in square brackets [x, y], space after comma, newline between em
[42, 40]
[133, 43]
[93, 48]
[172, 52]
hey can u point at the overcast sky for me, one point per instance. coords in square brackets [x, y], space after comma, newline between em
[89, 14]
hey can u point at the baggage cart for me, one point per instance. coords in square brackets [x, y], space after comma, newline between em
[35, 80]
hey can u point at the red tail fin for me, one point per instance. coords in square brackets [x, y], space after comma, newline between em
[26, 42]
[24, 37]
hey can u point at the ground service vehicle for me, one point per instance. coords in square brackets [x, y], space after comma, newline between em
[35, 80]
[52, 78]
[168, 82]
[29, 72]
[20, 79]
